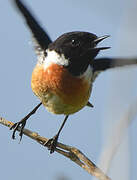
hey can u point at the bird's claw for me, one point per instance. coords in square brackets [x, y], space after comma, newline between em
[52, 143]
[15, 127]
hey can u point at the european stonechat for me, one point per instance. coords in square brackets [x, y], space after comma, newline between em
[65, 71]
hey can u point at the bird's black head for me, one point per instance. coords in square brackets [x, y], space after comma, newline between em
[79, 48]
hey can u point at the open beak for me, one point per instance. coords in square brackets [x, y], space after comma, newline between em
[99, 39]
[93, 51]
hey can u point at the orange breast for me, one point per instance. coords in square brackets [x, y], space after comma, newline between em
[56, 80]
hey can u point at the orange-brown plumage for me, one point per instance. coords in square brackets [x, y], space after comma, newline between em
[71, 93]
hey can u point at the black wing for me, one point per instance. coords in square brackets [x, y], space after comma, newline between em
[102, 64]
[41, 37]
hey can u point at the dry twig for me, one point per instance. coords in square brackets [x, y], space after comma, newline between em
[70, 152]
[116, 139]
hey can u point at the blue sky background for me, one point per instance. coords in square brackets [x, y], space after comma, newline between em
[28, 160]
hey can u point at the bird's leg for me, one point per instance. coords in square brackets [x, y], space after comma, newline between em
[22, 123]
[52, 143]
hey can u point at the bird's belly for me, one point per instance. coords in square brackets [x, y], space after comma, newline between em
[58, 90]
[54, 104]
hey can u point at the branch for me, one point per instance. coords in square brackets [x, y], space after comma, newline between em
[72, 153]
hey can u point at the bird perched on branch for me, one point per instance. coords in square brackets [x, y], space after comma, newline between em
[66, 69]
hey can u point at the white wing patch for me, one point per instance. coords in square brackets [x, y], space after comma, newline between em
[88, 74]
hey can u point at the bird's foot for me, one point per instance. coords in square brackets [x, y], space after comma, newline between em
[15, 127]
[52, 143]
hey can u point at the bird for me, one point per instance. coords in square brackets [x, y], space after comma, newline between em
[65, 71]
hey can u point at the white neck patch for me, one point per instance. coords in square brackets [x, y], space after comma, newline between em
[54, 57]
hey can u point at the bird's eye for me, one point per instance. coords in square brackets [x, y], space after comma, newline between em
[75, 42]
